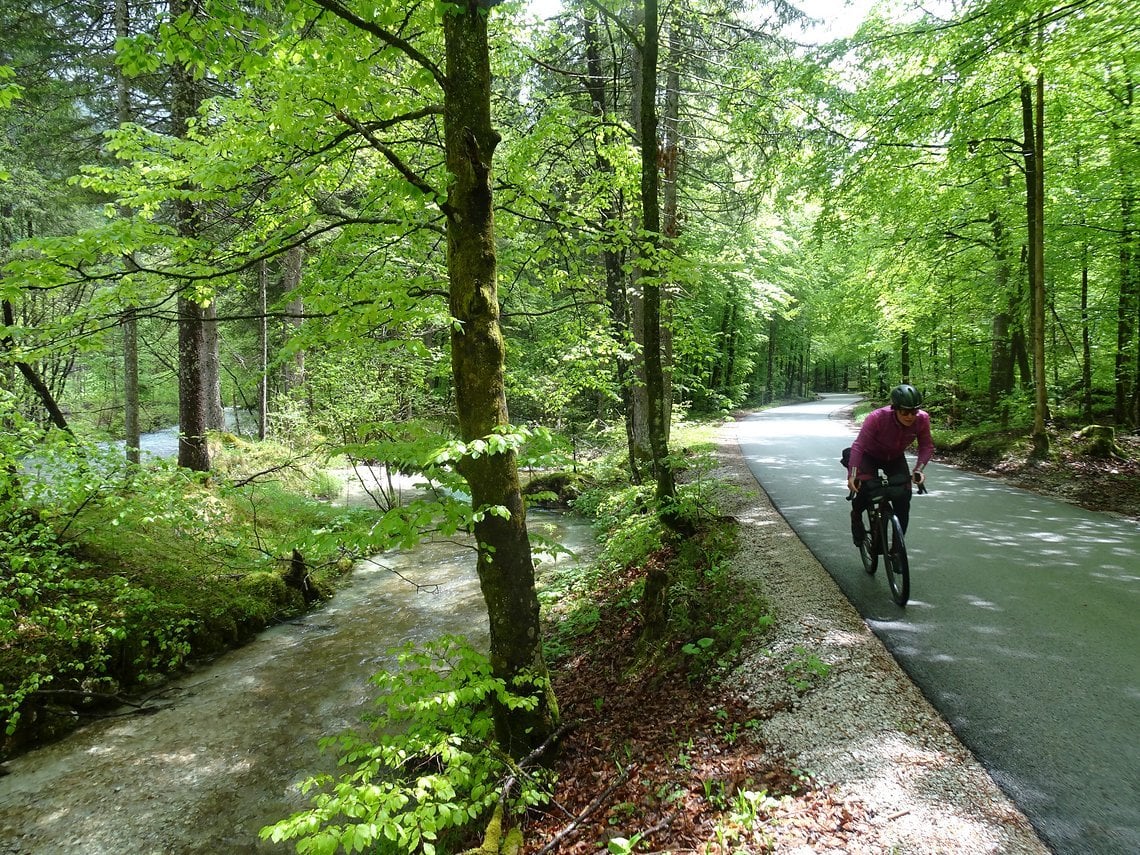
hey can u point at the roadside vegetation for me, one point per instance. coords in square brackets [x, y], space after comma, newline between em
[636, 675]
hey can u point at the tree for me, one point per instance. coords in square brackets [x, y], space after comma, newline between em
[649, 262]
[1033, 108]
[193, 407]
[129, 318]
[505, 563]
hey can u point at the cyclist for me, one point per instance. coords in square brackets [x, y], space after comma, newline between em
[885, 435]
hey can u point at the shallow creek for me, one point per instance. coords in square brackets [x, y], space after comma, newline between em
[232, 740]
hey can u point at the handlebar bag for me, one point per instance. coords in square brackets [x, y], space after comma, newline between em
[897, 486]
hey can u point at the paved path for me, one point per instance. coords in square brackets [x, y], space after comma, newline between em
[1023, 626]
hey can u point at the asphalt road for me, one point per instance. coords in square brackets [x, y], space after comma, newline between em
[1023, 626]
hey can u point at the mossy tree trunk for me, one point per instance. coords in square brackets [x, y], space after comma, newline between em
[505, 564]
[649, 261]
[193, 452]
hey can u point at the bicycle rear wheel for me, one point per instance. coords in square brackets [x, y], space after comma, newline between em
[898, 567]
[866, 552]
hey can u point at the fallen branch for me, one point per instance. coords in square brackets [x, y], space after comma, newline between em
[251, 478]
[576, 823]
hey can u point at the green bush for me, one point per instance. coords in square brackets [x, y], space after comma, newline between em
[707, 621]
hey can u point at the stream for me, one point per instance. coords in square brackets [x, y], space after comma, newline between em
[231, 740]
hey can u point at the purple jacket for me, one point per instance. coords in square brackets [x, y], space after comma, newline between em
[882, 438]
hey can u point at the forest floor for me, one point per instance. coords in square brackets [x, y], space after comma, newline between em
[817, 742]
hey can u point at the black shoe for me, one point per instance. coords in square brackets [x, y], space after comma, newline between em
[858, 536]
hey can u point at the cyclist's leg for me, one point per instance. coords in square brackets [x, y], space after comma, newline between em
[859, 503]
[858, 506]
[901, 504]
[868, 468]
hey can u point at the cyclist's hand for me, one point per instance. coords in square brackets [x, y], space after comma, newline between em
[919, 477]
[853, 484]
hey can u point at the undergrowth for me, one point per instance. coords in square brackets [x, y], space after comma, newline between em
[707, 623]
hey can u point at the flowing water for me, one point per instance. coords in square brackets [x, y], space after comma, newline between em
[230, 742]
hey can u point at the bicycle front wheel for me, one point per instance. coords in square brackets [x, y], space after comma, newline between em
[866, 551]
[898, 568]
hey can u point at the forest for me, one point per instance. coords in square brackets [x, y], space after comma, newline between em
[458, 240]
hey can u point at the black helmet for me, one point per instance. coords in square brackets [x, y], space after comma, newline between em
[905, 396]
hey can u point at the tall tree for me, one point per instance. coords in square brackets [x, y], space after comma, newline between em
[504, 562]
[1033, 121]
[613, 255]
[129, 321]
[193, 407]
[649, 261]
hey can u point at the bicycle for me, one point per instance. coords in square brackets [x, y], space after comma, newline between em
[882, 527]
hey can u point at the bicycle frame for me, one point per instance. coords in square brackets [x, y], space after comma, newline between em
[885, 536]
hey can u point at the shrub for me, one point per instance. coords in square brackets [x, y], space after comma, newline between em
[427, 769]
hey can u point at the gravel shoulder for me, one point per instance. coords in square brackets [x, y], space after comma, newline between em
[862, 728]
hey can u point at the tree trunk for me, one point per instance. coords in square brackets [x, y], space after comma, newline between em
[1086, 337]
[1001, 349]
[670, 167]
[639, 417]
[263, 348]
[640, 445]
[656, 607]
[193, 451]
[131, 431]
[613, 259]
[1001, 359]
[505, 564]
[648, 263]
[212, 369]
[294, 368]
[1033, 120]
[769, 381]
[1020, 350]
[128, 319]
[1128, 303]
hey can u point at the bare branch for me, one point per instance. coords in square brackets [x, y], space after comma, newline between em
[406, 171]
